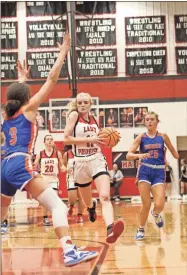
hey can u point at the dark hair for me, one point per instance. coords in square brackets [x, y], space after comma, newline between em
[17, 95]
[67, 148]
[47, 136]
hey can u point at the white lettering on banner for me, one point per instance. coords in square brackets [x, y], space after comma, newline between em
[182, 52]
[183, 19]
[145, 20]
[45, 27]
[8, 65]
[146, 61]
[97, 62]
[97, 22]
[96, 31]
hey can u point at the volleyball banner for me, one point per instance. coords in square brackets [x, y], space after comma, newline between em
[180, 28]
[45, 34]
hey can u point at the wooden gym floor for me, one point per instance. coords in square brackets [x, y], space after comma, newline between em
[32, 249]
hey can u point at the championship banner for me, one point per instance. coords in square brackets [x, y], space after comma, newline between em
[8, 9]
[100, 31]
[44, 34]
[146, 61]
[180, 28]
[145, 29]
[127, 167]
[41, 63]
[101, 7]
[9, 35]
[8, 65]
[41, 8]
[97, 63]
[181, 59]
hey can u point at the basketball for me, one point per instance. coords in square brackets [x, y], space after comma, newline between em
[111, 136]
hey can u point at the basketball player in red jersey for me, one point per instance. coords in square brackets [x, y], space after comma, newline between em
[90, 164]
[20, 129]
[73, 192]
[48, 161]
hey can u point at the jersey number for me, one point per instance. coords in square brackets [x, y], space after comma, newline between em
[49, 168]
[13, 134]
[89, 144]
[153, 154]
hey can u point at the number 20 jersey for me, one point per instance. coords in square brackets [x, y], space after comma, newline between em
[83, 129]
[49, 165]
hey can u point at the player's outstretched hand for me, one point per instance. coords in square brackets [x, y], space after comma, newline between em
[23, 71]
[66, 42]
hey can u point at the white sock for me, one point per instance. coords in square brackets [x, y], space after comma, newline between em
[66, 243]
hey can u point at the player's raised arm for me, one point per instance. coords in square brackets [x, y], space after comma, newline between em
[53, 76]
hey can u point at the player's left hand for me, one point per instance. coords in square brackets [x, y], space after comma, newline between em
[23, 71]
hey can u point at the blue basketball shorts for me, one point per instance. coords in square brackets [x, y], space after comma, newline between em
[153, 176]
[16, 172]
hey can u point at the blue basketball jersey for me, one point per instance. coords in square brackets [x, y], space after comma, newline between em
[20, 134]
[3, 151]
[155, 147]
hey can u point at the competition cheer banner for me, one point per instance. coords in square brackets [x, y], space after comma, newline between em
[147, 29]
[8, 9]
[97, 63]
[41, 63]
[86, 7]
[181, 28]
[8, 65]
[41, 8]
[181, 59]
[96, 31]
[44, 34]
[9, 35]
[146, 61]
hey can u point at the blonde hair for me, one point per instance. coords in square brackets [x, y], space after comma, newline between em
[72, 106]
[153, 113]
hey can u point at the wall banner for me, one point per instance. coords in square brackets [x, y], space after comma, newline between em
[146, 61]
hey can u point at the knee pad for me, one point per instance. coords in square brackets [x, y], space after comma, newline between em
[50, 200]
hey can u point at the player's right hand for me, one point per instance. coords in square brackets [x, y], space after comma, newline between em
[97, 140]
[144, 156]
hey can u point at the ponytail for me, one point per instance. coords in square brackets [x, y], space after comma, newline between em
[72, 106]
[11, 107]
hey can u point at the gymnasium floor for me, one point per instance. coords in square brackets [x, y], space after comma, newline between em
[32, 249]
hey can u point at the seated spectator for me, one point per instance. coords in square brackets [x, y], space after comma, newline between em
[116, 178]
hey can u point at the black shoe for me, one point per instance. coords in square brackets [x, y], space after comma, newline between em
[92, 215]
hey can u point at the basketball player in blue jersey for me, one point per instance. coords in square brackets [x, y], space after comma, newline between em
[4, 224]
[20, 130]
[81, 132]
[151, 171]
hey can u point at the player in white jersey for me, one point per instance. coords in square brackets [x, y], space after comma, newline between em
[49, 160]
[73, 192]
[90, 164]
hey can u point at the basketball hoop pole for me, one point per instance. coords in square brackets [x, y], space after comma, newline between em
[73, 49]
